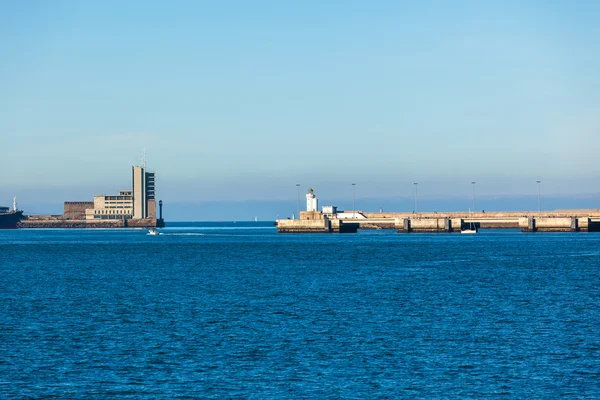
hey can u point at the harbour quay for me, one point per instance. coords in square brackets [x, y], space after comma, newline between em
[547, 223]
[332, 220]
[315, 222]
[56, 221]
[555, 221]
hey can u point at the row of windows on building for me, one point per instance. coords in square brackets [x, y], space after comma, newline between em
[104, 212]
[118, 198]
[112, 216]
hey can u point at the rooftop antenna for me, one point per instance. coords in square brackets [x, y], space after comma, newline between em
[143, 165]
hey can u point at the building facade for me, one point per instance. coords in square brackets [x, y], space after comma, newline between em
[76, 209]
[119, 206]
[138, 203]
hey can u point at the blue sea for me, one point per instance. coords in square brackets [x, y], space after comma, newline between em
[235, 310]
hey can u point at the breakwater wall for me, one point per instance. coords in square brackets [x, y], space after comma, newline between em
[525, 224]
[553, 221]
[50, 222]
[559, 224]
[591, 213]
[322, 225]
[584, 220]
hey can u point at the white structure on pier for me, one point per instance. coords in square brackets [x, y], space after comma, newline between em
[330, 210]
[312, 203]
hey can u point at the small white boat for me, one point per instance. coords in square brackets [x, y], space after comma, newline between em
[472, 227]
[154, 232]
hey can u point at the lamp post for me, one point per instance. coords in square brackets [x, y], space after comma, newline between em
[354, 200]
[539, 203]
[473, 185]
[298, 189]
[416, 197]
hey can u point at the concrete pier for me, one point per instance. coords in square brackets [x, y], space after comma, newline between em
[588, 224]
[564, 224]
[350, 221]
[433, 225]
[551, 221]
[315, 222]
[526, 224]
[57, 222]
[303, 226]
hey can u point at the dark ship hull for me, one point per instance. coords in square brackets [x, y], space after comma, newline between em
[10, 219]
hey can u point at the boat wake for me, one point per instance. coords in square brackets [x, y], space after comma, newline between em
[185, 234]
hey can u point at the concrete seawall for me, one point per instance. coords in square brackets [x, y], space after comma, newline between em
[559, 224]
[491, 215]
[48, 222]
[431, 225]
[550, 221]
[303, 226]
[525, 224]
[324, 225]
[349, 221]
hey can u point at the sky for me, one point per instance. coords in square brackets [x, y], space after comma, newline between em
[236, 102]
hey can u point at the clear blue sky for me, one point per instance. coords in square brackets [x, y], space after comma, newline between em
[237, 100]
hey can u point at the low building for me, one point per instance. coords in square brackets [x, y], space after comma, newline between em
[118, 206]
[330, 210]
[75, 210]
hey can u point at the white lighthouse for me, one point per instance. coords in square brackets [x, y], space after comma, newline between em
[312, 203]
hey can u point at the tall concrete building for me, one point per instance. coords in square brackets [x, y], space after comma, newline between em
[144, 202]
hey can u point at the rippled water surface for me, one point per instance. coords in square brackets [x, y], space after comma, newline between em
[236, 310]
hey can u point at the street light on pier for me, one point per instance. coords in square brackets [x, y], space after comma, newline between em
[354, 200]
[539, 203]
[298, 189]
[416, 197]
[473, 184]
